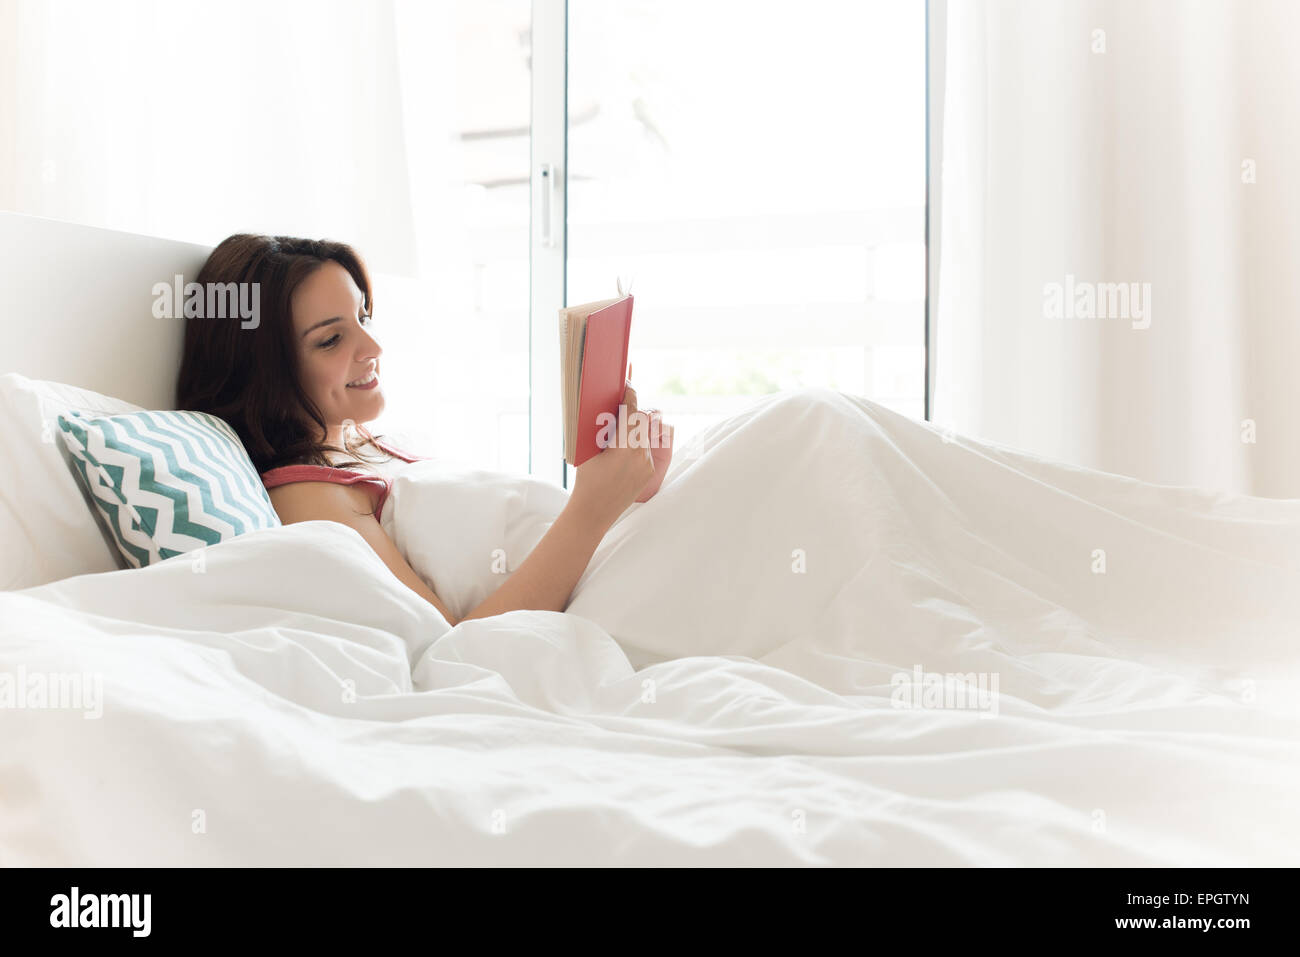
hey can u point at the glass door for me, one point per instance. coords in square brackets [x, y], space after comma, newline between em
[759, 170]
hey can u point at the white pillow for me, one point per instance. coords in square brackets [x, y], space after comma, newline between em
[463, 530]
[48, 526]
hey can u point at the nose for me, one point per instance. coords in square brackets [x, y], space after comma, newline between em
[370, 347]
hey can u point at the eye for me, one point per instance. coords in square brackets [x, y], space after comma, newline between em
[365, 319]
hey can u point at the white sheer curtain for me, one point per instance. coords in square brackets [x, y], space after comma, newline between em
[1134, 141]
[195, 120]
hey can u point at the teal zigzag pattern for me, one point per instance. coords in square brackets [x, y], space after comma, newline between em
[166, 482]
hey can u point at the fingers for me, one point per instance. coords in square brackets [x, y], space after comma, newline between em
[656, 427]
[658, 433]
[661, 432]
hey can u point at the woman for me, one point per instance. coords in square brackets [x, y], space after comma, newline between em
[310, 366]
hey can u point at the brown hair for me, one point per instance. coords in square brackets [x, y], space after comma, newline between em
[250, 376]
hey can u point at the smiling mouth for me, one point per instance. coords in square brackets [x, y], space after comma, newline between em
[368, 381]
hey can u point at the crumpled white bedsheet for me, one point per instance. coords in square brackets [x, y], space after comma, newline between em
[703, 700]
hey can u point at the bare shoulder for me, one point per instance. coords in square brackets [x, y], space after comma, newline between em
[328, 501]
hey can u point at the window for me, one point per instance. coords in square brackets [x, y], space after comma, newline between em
[757, 170]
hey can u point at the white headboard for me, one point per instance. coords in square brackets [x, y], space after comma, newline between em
[78, 307]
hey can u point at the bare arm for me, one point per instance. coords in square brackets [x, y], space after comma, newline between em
[546, 578]
[604, 487]
[544, 581]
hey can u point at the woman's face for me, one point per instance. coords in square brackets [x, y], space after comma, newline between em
[334, 347]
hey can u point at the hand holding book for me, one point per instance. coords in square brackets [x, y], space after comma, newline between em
[599, 404]
[610, 481]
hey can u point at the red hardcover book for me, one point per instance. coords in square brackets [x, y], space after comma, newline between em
[593, 352]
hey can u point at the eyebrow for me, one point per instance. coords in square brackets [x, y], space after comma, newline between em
[323, 322]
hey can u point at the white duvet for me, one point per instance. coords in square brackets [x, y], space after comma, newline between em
[750, 672]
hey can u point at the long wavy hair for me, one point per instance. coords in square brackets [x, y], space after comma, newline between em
[250, 377]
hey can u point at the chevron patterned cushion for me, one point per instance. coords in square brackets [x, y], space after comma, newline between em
[166, 482]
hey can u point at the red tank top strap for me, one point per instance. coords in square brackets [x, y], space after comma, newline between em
[288, 474]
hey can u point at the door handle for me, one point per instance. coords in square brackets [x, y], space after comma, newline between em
[550, 188]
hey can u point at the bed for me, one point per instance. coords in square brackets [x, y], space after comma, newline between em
[893, 646]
